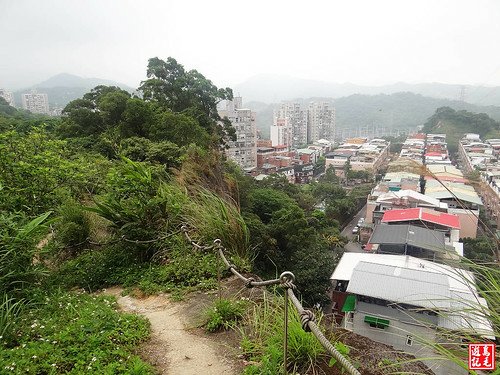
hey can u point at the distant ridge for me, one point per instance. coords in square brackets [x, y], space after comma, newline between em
[270, 88]
[63, 88]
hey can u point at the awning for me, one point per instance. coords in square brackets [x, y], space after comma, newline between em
[379, 322]
[349, 304]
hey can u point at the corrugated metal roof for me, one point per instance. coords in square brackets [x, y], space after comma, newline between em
[401, 285]
[445, 194]
[408, 234]
[412, 214]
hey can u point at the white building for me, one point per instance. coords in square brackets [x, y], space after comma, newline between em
[36, 102]
[7, 95]
[410, 304]
[321, 122]
[294, 119]
[281, 133]
[243, 151]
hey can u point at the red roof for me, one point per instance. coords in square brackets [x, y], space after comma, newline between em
[435, 154]
[417, 136]
[409, 214]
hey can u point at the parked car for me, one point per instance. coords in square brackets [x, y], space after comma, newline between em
[355, 230]
[361, 221]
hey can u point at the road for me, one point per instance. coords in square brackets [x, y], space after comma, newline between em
[352, 246]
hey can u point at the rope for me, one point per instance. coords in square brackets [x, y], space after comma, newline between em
[313, 327]
[286, 279]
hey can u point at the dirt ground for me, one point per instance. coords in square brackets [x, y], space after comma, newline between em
[178, 344]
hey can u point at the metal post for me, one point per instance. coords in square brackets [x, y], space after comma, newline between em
[285, 339]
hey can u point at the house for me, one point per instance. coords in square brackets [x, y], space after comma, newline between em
[408, 303]
[408, 239]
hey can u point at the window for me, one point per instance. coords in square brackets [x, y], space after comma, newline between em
[409, 340]
[350, 317]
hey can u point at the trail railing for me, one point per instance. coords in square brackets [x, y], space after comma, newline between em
[286, 281]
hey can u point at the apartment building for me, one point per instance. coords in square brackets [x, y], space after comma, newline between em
[8, 96]
[292, 117]
[321, 122]
[36, 102]
[243, 150]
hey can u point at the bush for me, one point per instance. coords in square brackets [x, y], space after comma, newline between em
[76, 333]
[73, 228]
[224, 313]
[263, 340]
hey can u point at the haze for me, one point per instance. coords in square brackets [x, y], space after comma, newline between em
[362, 42]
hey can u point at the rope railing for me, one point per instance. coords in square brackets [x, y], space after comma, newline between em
[286, 280]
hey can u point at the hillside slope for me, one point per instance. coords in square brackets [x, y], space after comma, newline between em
[455, 123]
[397, 111]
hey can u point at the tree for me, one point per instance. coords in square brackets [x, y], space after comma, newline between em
[187, 92]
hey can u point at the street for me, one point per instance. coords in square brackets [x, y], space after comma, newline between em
[352, 246]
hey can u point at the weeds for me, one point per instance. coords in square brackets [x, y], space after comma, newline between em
[224, 314]
[262, 340]
[75, 333]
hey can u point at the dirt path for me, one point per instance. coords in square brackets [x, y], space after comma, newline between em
[173, 350]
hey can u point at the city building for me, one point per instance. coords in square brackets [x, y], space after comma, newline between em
[408, 303]
[292, 117]
[370, 155]
[8, 96]
[321, 122]
[36, 102]
[243, 150]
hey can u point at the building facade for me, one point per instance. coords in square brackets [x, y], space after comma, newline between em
[321, 122]
[243, 151]
[9, 98]
[36, 102]
[294, 119]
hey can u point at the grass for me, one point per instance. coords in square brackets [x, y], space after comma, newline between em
[262, 341]
[75, 333]
[224, 314]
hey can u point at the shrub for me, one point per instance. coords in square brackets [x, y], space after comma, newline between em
[76, 333]
[73, 228]
[225, 313]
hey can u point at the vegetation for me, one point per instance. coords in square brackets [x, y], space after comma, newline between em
[224, 313]
[98, 197]
[455, 123]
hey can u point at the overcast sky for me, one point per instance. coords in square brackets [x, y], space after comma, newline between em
[363, 42]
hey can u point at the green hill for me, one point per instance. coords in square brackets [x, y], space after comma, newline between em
[455, 123]
[397, 111]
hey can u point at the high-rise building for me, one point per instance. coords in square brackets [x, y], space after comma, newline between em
[36, 102]
[7, 95]
[243, 151]
[294, 119]
[321, 122]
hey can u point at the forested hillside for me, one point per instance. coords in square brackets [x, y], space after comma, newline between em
[98, 197]
[396, 111]
[456, 123]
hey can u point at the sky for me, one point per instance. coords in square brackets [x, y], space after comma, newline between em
[362, 42]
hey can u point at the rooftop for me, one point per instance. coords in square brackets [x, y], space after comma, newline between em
[401, 234]
[440, 218]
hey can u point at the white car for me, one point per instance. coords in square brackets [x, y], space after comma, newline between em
[361, 221]
[355, 230]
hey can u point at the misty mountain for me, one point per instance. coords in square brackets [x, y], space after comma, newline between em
[396, 111]
[273, 88]
[63, 88]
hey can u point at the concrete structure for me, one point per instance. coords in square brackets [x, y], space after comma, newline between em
[243, 151]
[281, 133]
[294, 119]
[321, 122]
[8, 96]
[36, 102]
[408, 303]
[369, 156]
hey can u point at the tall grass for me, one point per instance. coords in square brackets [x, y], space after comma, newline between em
[262, 340]
[9, 310]
[213, 217]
